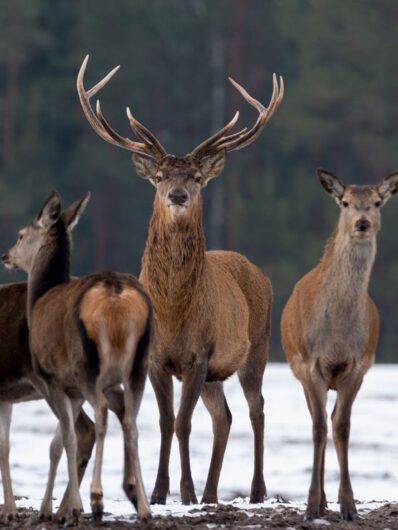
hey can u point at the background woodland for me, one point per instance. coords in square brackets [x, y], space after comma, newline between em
[340, 111]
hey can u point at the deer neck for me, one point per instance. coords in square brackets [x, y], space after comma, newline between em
[50, 268]
[346, 267]
[173, 262]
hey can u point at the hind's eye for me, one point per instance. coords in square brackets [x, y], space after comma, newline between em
[158, 178]
[377, 204]
[198, 179]
[20, 237]
[345, 204]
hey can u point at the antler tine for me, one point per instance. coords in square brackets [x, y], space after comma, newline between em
[202, 149]
[264, 115]
[135, 124]
[124, 142]
[102, 127]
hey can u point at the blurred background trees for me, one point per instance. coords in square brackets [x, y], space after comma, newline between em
[340, 112]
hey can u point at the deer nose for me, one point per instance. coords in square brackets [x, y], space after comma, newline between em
[4, 257]
[178, 196]
[363, 225]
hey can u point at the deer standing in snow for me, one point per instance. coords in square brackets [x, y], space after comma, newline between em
[330, 326]
[87, 336]
[212, 309]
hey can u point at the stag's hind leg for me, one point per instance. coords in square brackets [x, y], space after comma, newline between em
[214, 399]
[251, 378]
[163, 386]
[347, 389]
[9, 508]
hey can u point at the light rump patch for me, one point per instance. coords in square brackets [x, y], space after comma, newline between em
[118, 313]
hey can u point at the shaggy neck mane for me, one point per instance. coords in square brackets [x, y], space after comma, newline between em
[173, 262]
[51, 266]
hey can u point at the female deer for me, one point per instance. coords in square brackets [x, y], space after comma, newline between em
[87, 336]
[330, 326]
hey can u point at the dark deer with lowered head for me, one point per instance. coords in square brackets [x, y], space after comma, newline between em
[330, 326]
[87, 336]
[17, 384]
[212, 309]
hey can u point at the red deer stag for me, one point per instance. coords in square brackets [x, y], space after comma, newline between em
[330, 326]
[87, 336]
[212, 309]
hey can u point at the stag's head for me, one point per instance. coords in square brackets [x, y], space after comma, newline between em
[178, 180]
[360, 206]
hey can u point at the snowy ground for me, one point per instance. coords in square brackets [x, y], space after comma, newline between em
[288, 449]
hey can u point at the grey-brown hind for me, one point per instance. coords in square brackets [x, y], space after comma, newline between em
[330, 327]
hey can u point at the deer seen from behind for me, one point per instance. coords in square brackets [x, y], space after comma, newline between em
[87, 336]
[212, 309]
[330, 326]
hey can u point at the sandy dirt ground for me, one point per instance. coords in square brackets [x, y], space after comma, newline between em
[280, 515]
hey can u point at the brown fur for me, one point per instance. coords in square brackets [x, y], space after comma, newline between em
[115, 311]
[330, 327]
[212, 318]
[63, 349]
[16, 386]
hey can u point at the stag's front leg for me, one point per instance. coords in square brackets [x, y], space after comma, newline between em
[192, 386]
[347, 389]
[9, 508]
[214, 400]
[163, 386]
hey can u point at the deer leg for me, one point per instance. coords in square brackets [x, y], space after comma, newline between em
[323, 504]
[9, 508]
[347, 389]
[251, 380]
[56, 448]
[214, 400]
[133, 484]
[66, 411]
[100, 418]
[317, 392]
[163, 386]
[85, 434]
[192, 386]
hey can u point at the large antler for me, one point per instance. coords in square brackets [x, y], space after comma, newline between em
[150, 146]
[242, 138]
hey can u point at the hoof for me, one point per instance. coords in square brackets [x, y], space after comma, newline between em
[209, 499]
[10, 517]
[97, 507]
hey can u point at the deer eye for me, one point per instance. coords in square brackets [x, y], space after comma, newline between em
[377, 204]
[20, 237]
[198, 179]
[345, 204]
[158, 178]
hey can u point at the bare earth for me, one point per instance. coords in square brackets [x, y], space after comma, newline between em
[281, 515]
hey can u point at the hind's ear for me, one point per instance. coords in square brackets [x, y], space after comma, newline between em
[331, 184]
[388, 186]
[72, 214]
[50, 211]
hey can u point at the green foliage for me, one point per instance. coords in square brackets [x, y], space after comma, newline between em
[339, 112]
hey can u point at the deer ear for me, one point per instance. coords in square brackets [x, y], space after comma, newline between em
[145, 167]
[331, 184]
[72, 214]
[213, 165]
[388, 186]
[50, 211]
